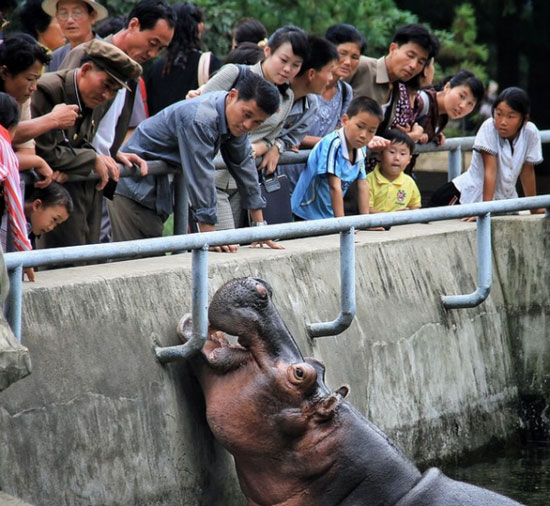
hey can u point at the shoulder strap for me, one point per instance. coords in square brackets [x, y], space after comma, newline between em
[425, 103]
[203, 68]
[344, 91]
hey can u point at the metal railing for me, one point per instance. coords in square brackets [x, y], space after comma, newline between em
[199, 243]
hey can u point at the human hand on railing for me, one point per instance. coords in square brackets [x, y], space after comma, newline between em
[269, 244]
[60, 177]
[64, 116]
[378, 143]
[129, 159]
[113, 169]
[46, 172]
[440, 139]
[101, 170]
[225, 248]
[29, 272]
[469, 219]
[270, 160]
[423, 139]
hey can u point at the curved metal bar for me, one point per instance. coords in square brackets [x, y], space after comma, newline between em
[199, 312]
[14, 308]
[347, 291]
[484, 269]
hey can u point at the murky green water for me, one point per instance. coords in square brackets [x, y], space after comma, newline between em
[522, 473]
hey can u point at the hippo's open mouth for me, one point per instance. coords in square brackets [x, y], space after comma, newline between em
[219, 340]
[222, 351]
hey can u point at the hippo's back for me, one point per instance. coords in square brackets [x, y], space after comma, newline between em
[436, 489]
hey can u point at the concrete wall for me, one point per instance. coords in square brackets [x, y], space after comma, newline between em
[101, 422]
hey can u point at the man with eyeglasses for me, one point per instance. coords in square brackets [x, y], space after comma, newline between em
[103, 71]
[76, 19]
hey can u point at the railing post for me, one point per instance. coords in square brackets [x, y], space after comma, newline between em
[14, 307]
[484, 269]
[181, 204]
[347, 291]
[199, 292]
[455, 163]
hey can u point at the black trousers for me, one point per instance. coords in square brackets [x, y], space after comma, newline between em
[446, 195]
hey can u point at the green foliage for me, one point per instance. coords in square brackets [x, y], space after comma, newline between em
[376, 19]
[118, 7]
[459, 46]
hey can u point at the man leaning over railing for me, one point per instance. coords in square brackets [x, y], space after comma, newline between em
[190, 134]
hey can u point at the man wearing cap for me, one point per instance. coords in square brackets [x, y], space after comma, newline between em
[76, 18]
[104, 70]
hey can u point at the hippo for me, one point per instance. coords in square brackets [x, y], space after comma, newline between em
[294, 441]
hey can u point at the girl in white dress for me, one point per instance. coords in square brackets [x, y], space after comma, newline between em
[507, 146]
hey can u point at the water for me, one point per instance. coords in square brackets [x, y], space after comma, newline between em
[520, 472]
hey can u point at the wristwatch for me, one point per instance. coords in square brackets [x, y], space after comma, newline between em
[280, 146]
[258, 223]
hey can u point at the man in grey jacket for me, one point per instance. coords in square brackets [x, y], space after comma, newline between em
[190, 133]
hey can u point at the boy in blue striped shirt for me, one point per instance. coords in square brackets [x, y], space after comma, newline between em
[336, 162]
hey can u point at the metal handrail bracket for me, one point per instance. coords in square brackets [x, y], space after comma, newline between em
[199, 312]
[347, 291]
[484, 270]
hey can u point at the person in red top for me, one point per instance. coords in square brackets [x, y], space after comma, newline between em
[9, 177]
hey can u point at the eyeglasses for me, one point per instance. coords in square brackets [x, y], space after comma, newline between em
[76, 14]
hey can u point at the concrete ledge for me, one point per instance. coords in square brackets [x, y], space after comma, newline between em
[7, 500]
[101, 422]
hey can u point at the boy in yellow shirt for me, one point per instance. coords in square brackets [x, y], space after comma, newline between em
[390, 188]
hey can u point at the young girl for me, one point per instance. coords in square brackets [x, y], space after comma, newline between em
[506, 147]
[45, 208]
[284, 54]
[454, 98]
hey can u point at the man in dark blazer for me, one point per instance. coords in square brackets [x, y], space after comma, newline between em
[103, 71]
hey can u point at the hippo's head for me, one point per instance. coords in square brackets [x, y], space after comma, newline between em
[243, 308]
[264, 369]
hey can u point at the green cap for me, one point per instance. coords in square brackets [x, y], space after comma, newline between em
[112, 60]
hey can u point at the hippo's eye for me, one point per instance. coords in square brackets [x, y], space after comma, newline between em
[299, 372]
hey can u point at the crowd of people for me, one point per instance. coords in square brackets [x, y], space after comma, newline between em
[75, 100]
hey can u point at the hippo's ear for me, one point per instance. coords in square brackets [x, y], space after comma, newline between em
[328, 407]
[343, 391]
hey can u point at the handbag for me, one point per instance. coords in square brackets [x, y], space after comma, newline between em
[276, 192]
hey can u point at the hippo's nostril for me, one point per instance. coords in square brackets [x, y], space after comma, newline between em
[261, 290]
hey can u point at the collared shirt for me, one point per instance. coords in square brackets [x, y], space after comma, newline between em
[311, 197]
[526, 148]
[386, 195]
[189, 134]
[371, 79]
